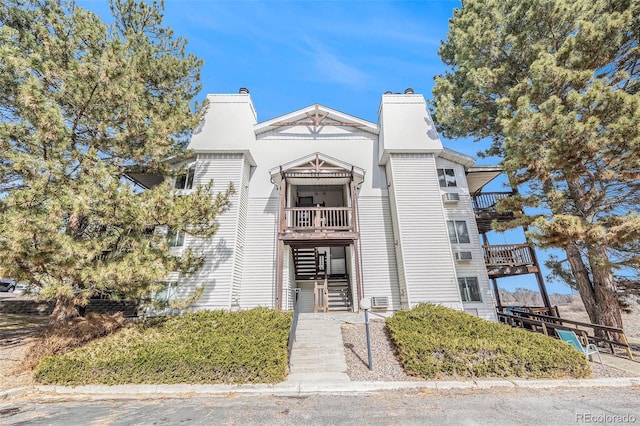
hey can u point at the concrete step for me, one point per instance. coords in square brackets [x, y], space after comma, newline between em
[318, 351]
[318, 369]
[319, 364]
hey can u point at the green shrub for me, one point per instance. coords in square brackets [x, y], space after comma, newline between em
[200, 347]
[434, 341]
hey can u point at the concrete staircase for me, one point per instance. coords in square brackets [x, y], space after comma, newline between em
[318, 351]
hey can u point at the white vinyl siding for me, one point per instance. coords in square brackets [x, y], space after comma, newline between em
[216, 274]
[422, 236]
[260, 250]
[243, 191]
[307, 302]
[463, 210]
[379, 268]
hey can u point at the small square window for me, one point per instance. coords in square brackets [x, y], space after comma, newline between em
[185, 180]
[167, 293]
[469, 289]
[458, 232]
[175, 237]
[447, 178]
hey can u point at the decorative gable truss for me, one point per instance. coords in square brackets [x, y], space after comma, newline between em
[315, 118]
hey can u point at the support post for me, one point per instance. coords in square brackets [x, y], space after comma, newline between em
[279, 273]
[534, 256]
[280, 255]
[356, 242]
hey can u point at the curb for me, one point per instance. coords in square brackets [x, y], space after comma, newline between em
[292, 388]
[14, 393]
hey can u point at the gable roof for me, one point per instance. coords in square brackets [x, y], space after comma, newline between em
[316, 116]
[314, 167]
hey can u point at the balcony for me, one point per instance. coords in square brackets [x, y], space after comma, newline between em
[507, 260]
[484, 207]
[318, 223]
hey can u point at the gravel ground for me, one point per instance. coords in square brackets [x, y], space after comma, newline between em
[385, 363]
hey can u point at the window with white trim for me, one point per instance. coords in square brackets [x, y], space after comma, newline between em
[469, 289]
[458, 231]
[447, 178]
[167, 293]
[175, 237]
[185, 180]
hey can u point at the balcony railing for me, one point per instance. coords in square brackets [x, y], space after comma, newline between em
[486, 201]
[508, 255]
[318, 219]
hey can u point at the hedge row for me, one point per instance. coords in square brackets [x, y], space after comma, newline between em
[435, 342]
[202, 347]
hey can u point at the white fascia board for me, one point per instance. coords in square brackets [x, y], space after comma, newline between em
[458, 157]
[275, 172]
[387, 152]
[245, 152]
[302, 114]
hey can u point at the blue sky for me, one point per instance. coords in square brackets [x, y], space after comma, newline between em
[341, 54]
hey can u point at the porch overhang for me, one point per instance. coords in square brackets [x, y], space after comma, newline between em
[142, 177]
[317, 169]
[479, 176]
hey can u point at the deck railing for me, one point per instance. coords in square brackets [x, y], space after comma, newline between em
[319, 218]
[486, 201]
[508, 255]
[547, 325]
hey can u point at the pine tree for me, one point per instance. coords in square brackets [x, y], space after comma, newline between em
[555, 85]
[82, 103]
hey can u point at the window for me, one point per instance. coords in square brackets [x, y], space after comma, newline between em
[167, 293]
[176, 237]
[458, 232]
[469, 289]
[447, 178]
[185, 180]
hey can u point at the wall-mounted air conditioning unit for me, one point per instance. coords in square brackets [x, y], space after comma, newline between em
[450, 197]
[379, 302]
[463, 256]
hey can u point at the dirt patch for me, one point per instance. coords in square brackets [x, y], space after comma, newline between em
[18, 333]
[72, 334]
[26, 338]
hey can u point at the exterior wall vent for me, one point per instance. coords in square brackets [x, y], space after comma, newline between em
[450, 197]
[463, 256]
[379, 302]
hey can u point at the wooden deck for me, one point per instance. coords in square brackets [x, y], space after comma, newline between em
[484, 207]
[505, 260]
[547, 324]
[330, 225]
